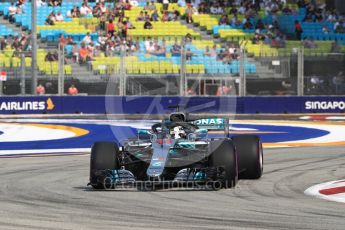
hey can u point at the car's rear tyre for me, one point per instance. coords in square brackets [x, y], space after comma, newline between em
[250, 156]
[104, 155]
[222, 154]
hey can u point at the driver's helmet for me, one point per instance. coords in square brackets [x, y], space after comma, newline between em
[178, 132]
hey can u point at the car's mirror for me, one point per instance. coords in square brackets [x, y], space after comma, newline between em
[144, 134]
[201, 133]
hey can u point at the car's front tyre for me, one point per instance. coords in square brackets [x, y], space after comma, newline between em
[250, 156]
[104, 155]
[223, 155]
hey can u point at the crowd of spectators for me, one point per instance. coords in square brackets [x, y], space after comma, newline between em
[19, 44]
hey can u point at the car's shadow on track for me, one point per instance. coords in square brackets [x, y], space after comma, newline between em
[134, 189]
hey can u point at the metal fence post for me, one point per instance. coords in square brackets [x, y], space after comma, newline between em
[123, 80]
[182, 81]
[243, 80]
[61, 82]
[34, 48]
[300, 72]
[22, 74]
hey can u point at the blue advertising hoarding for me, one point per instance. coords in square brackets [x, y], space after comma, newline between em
[160, 104]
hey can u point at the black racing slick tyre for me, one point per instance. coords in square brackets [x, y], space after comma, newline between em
[223, 155]
[103, 157]
[249, 155]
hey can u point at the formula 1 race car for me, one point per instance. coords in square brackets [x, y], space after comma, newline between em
[177, 152]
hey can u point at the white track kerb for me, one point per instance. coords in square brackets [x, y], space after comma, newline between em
[332, 191]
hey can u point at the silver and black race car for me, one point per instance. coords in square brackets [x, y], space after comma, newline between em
[177, 152]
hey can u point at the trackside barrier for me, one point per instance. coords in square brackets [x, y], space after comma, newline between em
[159, 105]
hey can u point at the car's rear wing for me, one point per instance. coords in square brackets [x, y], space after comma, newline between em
[213, 124]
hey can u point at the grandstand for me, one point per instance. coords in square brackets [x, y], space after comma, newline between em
[151, 43]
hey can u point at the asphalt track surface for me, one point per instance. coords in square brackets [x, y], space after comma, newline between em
[51, 193]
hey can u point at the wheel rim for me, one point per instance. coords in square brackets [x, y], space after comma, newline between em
[261, 158]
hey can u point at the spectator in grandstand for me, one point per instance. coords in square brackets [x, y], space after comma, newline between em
[40, 3]
[165, 4]
[152, 7]
[309, 43]
[55, 3]
[325, 30]
[147, 43]
[308, 18]
[96, 10]
[74, 13]
[70, 40]
[129, 24]
[260, 25]
[202, 8]
[20, 3]
[174, 15]
[298, 30]
[286, 10]
[50, 57]
[279, 41]
[83, 54]
[131, 46]
[207, 51]
[75, 53]
[97, 52]
[3, 43]
[122, 27]
[213, 51]
[111, 28]
[91, 49]
[223, 90]
[332, 17]
[189, 54]
[224, 20]
[248, 25]
[87, 39]
[158, 50]
[154, 16]
[9, 40]
[102, 39]
[40, 90]
[141, 17]
[16, 45]
[318, 16]
[72, 90]
[165, 16]
[338, 83]
[51, 19]
[188, 38]
[339, 26]
[148, 25]
[189, 13]
[335, 48]
[191, 92]
[59, 17]
[62, 40]
[147, 6]
[235, 22]
[175, 49]
[301, 3]
[233, 51]
[85, 10]
[150, 48]
[12, 11]
[127, 5]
